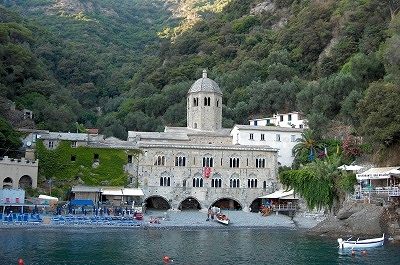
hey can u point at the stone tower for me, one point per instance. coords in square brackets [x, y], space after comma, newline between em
[204, 105]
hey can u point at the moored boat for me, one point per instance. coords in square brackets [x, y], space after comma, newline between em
[138, 215]
[365, 243]
[222, 218]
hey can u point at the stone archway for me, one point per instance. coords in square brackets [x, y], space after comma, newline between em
[157, 203]
[227, 204]
[255, 205]
[7, 183]
[189, 203]
[25, 182]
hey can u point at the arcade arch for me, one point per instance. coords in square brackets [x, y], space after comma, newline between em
[25, 182]
[157, 203]
[227, 204]
[189, 203]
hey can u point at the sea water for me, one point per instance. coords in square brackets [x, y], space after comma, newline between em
[85, 246]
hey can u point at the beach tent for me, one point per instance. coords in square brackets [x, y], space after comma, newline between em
[281, 194]
[353, 168]
[48, 198]
[379, 173]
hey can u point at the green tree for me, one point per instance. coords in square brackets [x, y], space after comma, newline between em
[320, 183]
[379, 114]
[10, 140]
[306, 148]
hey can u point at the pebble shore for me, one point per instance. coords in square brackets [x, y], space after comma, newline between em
[195, 220]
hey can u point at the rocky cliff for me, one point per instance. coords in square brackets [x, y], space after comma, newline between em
[362, 219]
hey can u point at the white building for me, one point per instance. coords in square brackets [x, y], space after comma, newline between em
[281, 138]
[286, 120]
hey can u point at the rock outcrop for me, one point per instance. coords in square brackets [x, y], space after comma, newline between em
[356, 219]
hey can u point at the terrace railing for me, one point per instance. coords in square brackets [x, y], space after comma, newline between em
[284, 207]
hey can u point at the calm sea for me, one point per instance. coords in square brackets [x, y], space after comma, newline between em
[189, 247]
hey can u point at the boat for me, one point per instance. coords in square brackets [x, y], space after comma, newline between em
[138, 215]
[222, 218]
[365, 243]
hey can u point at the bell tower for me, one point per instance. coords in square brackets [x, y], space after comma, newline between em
[204, 105]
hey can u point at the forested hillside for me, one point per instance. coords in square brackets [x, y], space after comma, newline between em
[127, 65]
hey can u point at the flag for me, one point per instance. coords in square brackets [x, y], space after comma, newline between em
[206, 172]
[337, 149]
[326, 151]
[311, 155]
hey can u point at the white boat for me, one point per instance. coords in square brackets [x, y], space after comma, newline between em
[222, 218]
[365, 243]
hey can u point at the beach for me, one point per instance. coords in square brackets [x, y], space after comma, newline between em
[237, 219]
[184, 219]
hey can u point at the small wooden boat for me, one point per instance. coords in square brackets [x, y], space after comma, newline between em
[222, 218]
[365, 243]
[138, 215]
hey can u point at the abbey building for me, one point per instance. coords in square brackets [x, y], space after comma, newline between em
[200, 165]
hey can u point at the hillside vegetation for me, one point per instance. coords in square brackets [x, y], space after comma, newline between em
[127, 65]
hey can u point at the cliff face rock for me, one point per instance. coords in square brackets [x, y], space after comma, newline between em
[355, 219]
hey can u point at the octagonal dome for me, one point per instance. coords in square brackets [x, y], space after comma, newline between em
[205, 84]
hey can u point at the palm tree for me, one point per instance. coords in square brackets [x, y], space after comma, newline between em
[307, 144]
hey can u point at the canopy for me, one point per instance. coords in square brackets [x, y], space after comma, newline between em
[81, 202]
[350, 167]
[114, 192]
[378, 173]
[132, 192]
[46, 197]
[281, 194]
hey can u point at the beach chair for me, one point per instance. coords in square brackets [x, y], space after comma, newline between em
[26, 217]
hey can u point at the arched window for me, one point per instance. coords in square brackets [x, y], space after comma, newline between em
[216, 183]
[205, 101]
[180, 161]
[252, 183]
[234, 162]
[159, 160]
[234, 183]
[208, 161]
[7, 183]
[217, 102]
[208, 101]
[165, 181]
[260, 162]
[195, 125]
[198, 182]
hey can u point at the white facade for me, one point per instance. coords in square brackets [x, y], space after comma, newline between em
[12, 196]
[283, 139]
[286, 120]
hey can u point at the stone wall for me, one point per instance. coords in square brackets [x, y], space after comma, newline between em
[18, 171]
[181, 177]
